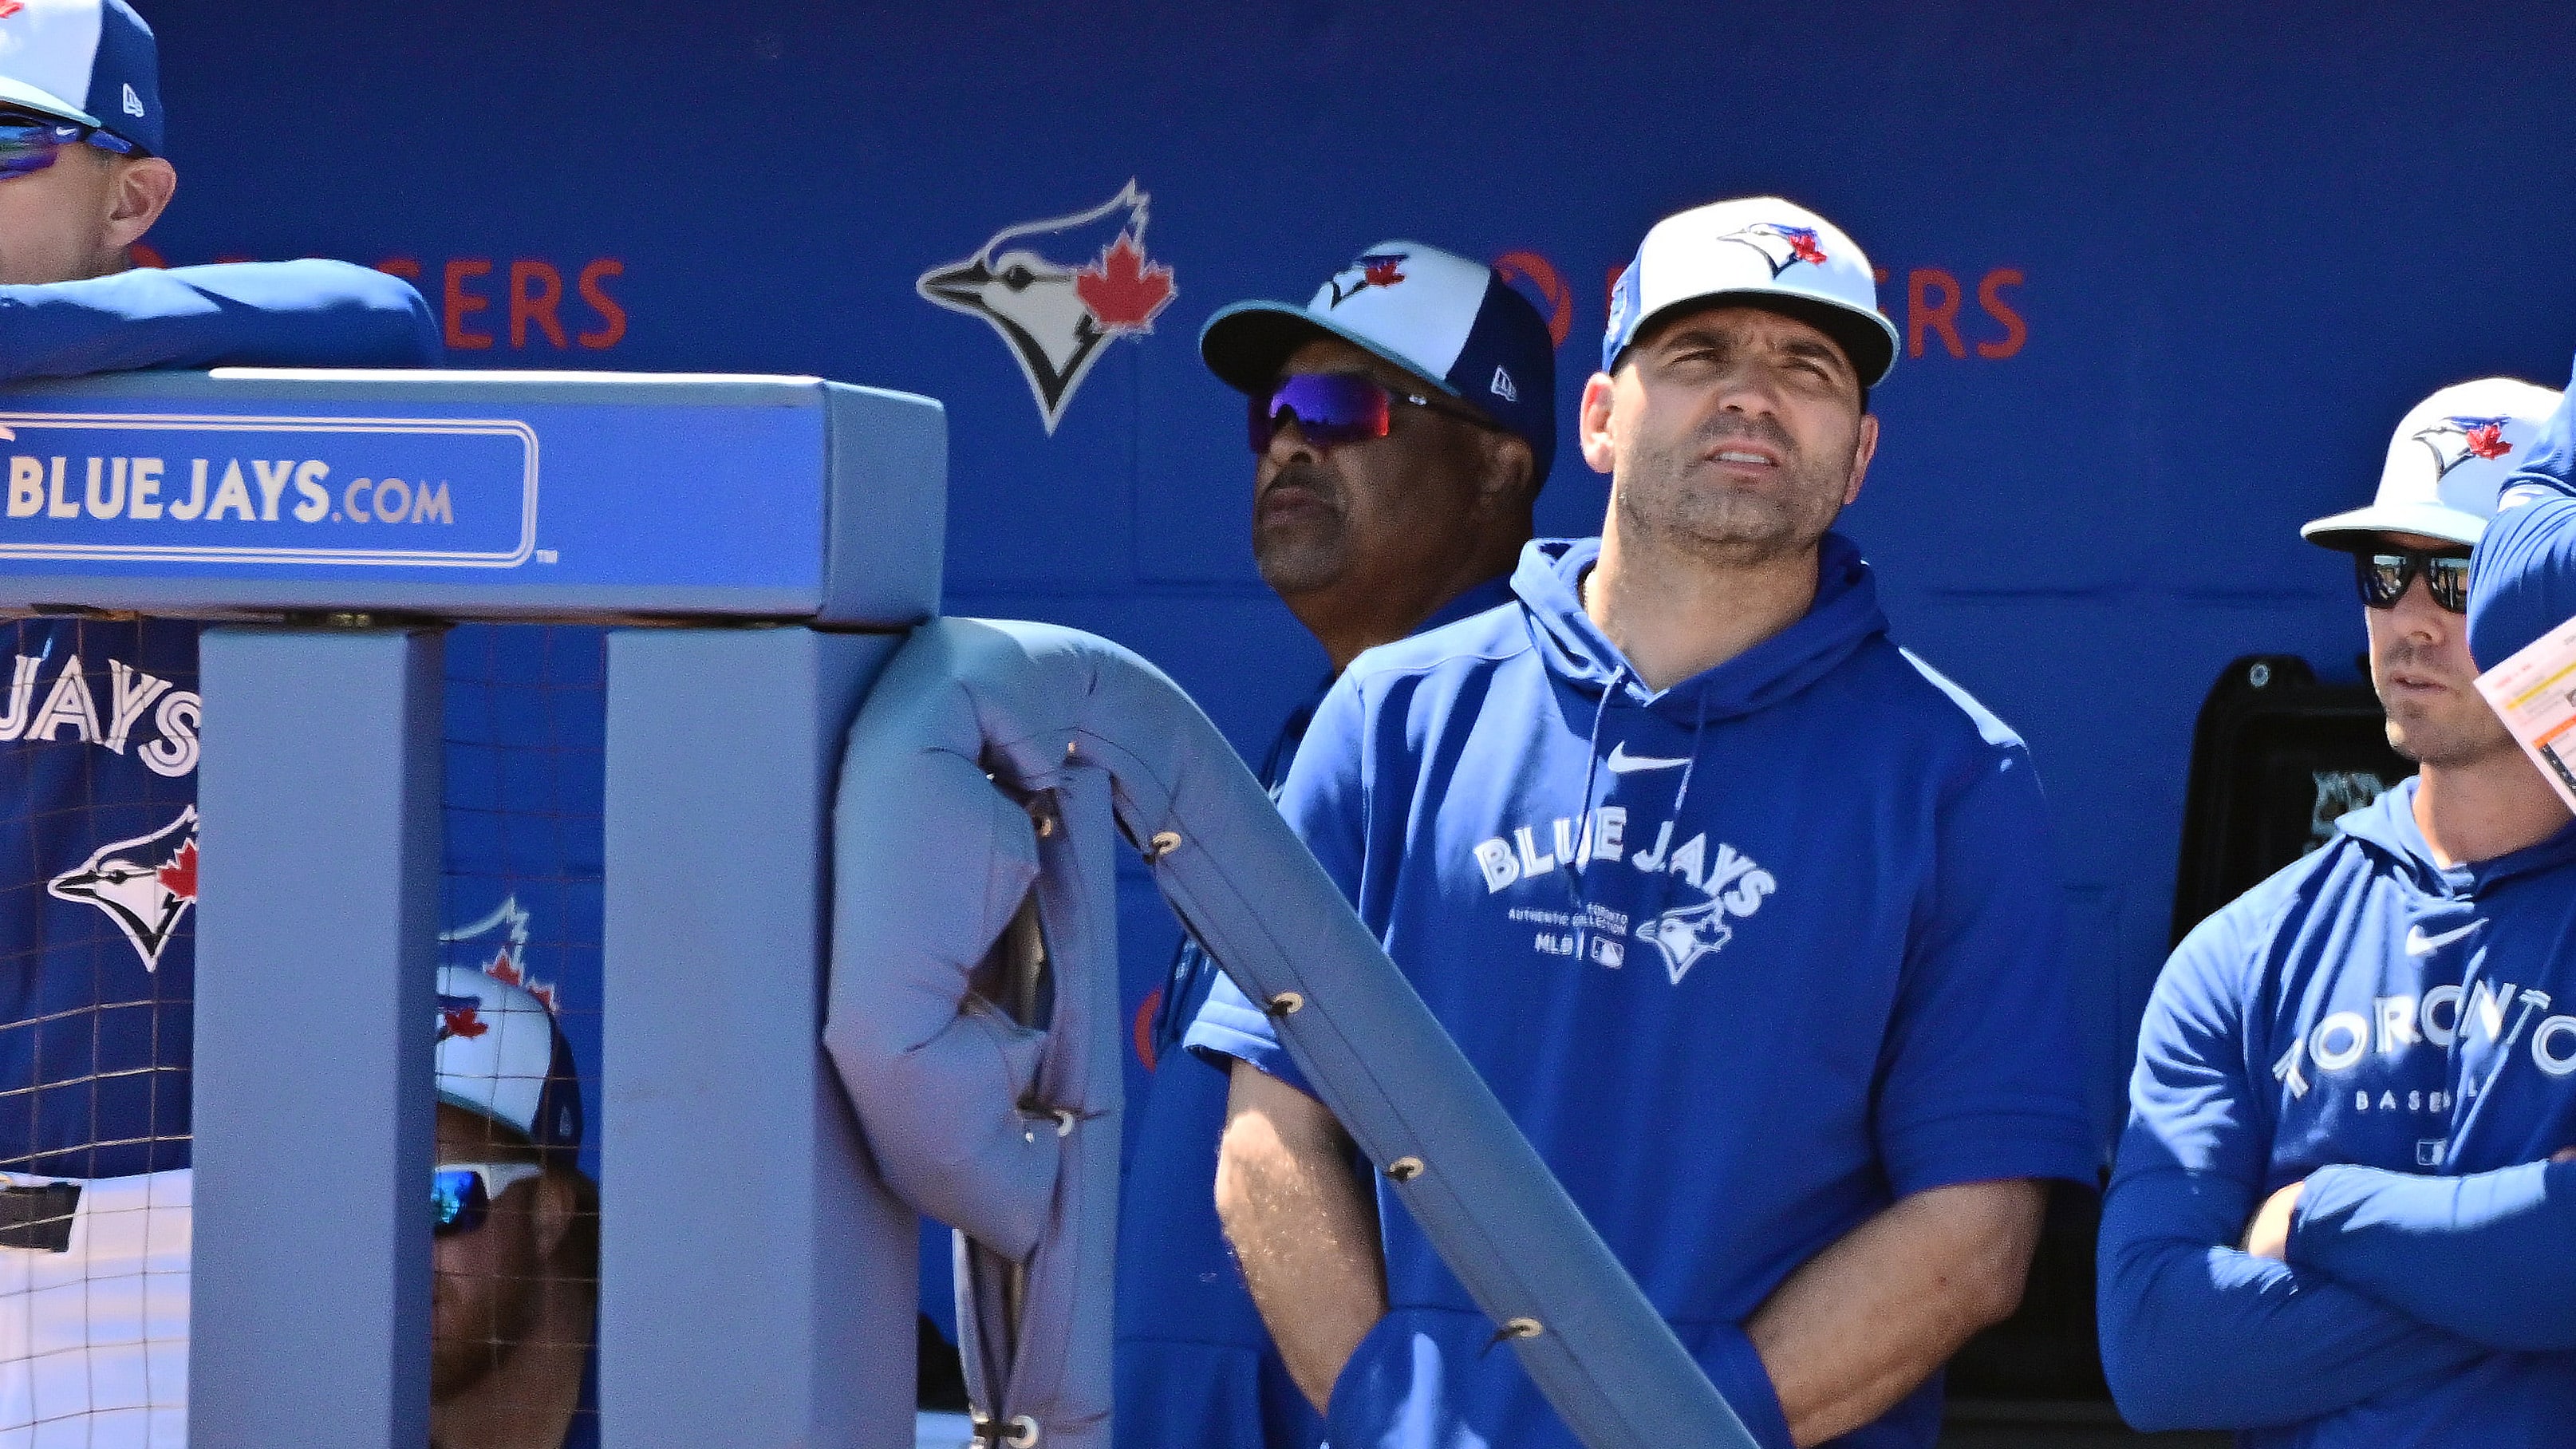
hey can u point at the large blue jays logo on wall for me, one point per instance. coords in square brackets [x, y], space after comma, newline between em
[1782, 246]
[2454, 441]
[1059, 290]
[145, 885]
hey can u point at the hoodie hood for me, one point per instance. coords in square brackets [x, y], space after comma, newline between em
[1844, 616]
[2387, 825]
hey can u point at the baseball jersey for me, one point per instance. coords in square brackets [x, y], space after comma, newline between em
[1747, 959]
[1196, 1368]
[2381, 1026]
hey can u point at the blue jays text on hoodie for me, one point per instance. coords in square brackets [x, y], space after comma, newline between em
[1196, 1368]
[1746, 959]
[98, 735]
[2382, 1027]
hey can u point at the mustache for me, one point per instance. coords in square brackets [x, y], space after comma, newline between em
[1300, 473]
[1753, 429]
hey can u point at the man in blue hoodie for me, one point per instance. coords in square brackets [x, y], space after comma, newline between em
[1402, 423]
[98, 747]
[1744, 913]
[2335, 1219]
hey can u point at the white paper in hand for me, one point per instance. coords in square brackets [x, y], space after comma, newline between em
[2534, 693]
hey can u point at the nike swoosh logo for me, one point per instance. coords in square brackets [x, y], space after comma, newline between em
[1621, 762]
[2419, 944]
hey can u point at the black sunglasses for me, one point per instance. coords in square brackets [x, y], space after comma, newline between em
[2383, 577]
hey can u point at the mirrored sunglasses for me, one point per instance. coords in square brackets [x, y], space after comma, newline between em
[461, 1194]
[2383, 577]
[1333, 408]
[29, 144]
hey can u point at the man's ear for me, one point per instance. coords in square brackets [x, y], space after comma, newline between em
[1599, 446]
[556, 1204]
[1509, 467]
[137, 195]
[1864, 448]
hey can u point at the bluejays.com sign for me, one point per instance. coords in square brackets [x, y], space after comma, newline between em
[388, 492]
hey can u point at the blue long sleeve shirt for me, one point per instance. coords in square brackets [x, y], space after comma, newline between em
[2380, 1026]
[311, 313]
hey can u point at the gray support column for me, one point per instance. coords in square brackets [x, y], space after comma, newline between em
[758, 1282]
[317, 934]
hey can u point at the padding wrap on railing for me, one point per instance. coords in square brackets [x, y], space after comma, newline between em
[932, 861]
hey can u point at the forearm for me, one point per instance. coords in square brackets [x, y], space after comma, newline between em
[2490, 1256]
[2199, 1335]
[1303, 1225]
[287, 314]
[1864, 1322]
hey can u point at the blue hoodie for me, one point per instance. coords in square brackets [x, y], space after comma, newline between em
[98, 734]
[2383, 1028]
[1747, 960]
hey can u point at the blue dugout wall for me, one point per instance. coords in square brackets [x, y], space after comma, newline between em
[2168, 274]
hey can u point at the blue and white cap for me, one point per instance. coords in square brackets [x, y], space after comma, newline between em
[1763, 252]
[501, 1056]
[1454, 323]
[2447, 465]
[90, 61]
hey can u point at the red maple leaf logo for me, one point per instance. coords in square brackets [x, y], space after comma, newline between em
[2488, 441]
[1803, 243]
[465, 1021]
[503, 968]
[10, 7]
[1123, 290]
[179, 877]
[1381, 272]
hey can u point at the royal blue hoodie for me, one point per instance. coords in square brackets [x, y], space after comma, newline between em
[2382, 1027]
[1747, 959]
[99, 725]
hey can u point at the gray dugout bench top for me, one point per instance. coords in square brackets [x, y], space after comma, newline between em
[490, 495]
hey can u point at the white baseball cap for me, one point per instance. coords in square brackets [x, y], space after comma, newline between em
[501, 1056]
[1767, 252]
[2446, 464]
[88, 61]
[1454, 323]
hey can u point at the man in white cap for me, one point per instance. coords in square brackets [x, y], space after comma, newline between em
[1744, 913]
[2334, 1221]
[1402, 422]
[515, 1261]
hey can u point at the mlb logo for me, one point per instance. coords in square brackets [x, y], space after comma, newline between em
[2428, 1152]
[1607, 952]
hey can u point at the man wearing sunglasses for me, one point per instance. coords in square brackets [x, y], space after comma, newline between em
[1744, 913]
[1400, 423]
[97, 770]
[2335, 1220]
[515, 1252]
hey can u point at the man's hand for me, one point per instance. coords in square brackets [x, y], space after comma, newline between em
[2268, 1236]
[1864, 1322]
[1303, 1225]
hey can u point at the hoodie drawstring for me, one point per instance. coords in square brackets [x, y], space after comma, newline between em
[1681, 797]
[1574, 882]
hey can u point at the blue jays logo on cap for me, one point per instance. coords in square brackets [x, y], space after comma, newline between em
[1781, 245]
[2454, 441]
[1375, 269]
[1059, 290]
[460, 1016]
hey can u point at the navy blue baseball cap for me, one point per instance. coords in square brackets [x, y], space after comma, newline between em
[89, 61]
[1454, 323]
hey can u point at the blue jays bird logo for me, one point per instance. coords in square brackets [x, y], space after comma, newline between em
[2454, 441]
[497, 946]
[144, 885]
[1686, 934]
[1377, 269]
[1781, 246]
[1058, 290]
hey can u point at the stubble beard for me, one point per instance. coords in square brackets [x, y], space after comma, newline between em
[1727, 527]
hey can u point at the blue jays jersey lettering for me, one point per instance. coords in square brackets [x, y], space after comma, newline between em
[1747, 958]
[2366, 1020]
[98, 757]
